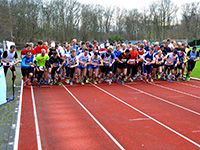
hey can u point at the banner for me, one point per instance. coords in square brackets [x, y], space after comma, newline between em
[2, 87]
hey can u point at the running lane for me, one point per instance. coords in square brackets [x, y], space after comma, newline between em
[170, 95]
[64, 124]
[181, 88]
[27, 134]
[131, 128]
[178, 119]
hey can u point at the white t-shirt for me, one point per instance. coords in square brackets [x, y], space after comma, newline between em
[171, 58]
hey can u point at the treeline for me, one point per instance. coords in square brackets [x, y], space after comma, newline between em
[63, 20]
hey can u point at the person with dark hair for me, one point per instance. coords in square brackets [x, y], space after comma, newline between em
[71, 63]
[148, 61]
[56, 64]
[122, 64]
[40, 47]
[84, 59]
[27, 68]
[170, 64]
[108, 59]
[181, 56]
[192, 57]
[28, 48]
[95, 62]
[8, 61]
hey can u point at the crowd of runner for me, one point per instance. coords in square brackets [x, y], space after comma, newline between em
[85, 62]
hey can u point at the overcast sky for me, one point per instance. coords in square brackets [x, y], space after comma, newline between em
[130, 4]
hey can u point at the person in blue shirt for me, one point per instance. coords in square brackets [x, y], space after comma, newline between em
[117, 52]
[149, 59]
[182, 58]
[27, 68]
[192, 57]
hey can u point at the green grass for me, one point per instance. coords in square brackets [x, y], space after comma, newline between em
[196, 72]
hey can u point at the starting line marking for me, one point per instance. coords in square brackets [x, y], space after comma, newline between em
[139, 119]
[90, 114]
[148, 116]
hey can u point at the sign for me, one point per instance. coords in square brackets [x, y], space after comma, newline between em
[2, 86]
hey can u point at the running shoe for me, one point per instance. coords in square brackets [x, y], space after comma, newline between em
[158, 76]
[95, 82]
[71, 83]
[155, 78]
[67, 81]
[125, 79]
[177, 80]
[183, 79]
[24, 85]
[122, 82]
[87, 81]
[59, 84]
[131, 79]
[116, 80]
[109, 82]
[39, 85]
[141, 79]
[82, 83]
[134, 78]
[147, 81]
[46, 82]
[170, 80]
[188, 79]
[151, 80]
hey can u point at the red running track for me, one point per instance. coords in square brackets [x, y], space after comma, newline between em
[64, 124]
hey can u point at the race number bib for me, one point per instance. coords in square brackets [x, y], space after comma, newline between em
[124, 60]
[41, 68]
[132, 61]
[55, 64]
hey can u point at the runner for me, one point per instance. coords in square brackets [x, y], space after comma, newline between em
[27, 68]
[192, 57]
[41, 60]
[122, 64]
[28, 48]
[107, 68]
[84, 59]
[40, 47]
[133, 64]
[159, 63]
[8, 61]
[147, 64]
[141, 52]
[71, 63]
[56, 64]
[170, 63]
[95, 62]
[182, 59]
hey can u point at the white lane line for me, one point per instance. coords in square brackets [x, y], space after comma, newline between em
[16, 142]
[176, 90]
[187, 109]
[90, 114]
[36, 121]
[189, 85]
[139, 119]
[165, 126]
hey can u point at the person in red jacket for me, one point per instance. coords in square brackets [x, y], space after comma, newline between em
[132, 65]
[28, 48]
[40, 47]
